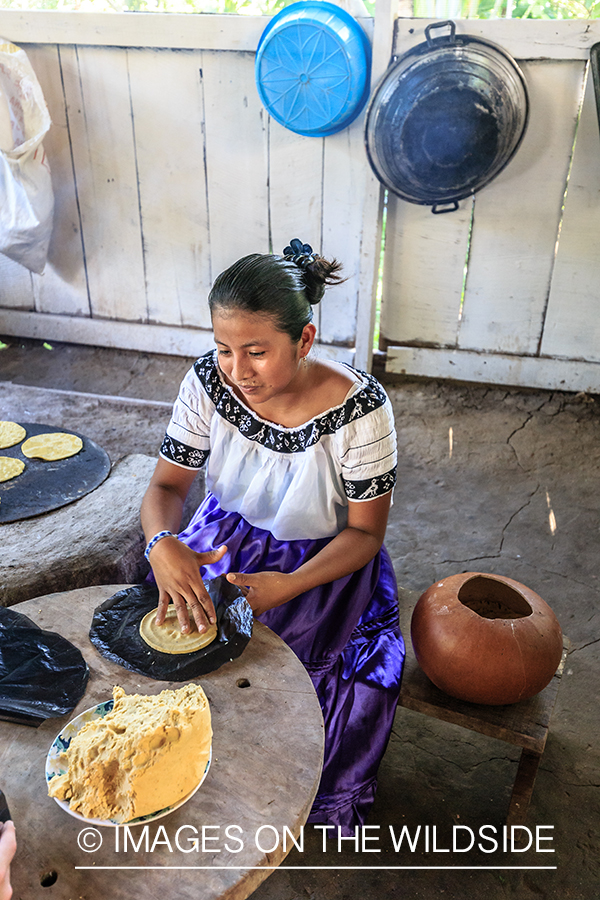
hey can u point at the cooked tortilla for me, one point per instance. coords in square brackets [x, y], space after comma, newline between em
[10, 434]
[10, 467]
[57, 445]
[168, 637]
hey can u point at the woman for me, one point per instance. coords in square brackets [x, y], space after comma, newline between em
[300, 456]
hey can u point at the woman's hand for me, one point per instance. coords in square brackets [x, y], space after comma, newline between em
[8, 846]
[351, 549]
[266, 590]
[176, 568]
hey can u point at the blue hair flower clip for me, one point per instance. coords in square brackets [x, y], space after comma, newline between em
[299, 253]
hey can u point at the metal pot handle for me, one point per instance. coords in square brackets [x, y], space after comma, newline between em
[438, 208]
[448, 38]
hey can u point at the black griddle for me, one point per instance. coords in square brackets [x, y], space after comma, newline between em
[45, 486]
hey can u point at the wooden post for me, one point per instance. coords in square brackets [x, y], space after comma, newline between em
[368, 272]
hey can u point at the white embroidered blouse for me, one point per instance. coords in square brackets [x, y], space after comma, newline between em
[293, 482]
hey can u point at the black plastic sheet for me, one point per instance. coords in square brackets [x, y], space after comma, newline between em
[115, 632]
[41, 673]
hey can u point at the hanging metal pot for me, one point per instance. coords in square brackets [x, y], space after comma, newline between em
[446, 118]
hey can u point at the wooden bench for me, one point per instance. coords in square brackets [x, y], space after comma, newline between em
[524, 724]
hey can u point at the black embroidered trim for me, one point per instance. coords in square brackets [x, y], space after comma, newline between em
[369, 398]
[183, 454]
[370, 487]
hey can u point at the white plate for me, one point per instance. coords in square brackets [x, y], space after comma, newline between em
[55, 766]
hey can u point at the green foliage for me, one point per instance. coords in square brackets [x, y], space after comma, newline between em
[451, 9]
[507, 9]
[222, 7]
[557, 9]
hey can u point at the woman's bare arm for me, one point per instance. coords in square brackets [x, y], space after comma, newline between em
[349, 551]
[175, 566]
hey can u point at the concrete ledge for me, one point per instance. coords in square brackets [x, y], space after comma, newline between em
[552, 374]
[164, 339]
[96, 540]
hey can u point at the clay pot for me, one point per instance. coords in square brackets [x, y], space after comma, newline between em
[486, 638]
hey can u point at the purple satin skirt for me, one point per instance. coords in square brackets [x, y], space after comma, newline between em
[347, 636]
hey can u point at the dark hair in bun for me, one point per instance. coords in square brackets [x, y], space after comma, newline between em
[284, 287]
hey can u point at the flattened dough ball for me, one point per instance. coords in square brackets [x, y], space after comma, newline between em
[168, 637]
[10, 467]
[57, 445]
[10, 434]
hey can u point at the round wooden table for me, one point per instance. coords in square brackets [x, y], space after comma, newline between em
[266, 764]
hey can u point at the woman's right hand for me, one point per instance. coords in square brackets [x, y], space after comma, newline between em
[176, 569]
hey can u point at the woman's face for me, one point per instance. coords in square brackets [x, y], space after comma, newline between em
[256, 358]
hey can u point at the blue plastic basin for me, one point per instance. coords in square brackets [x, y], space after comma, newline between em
[313, 66]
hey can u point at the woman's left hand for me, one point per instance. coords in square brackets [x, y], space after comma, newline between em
[266, 590]
[351, 549]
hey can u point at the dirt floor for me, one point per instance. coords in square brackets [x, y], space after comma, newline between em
[493, 480]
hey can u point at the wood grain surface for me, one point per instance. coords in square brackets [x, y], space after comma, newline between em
[524, 724]
[266, 764]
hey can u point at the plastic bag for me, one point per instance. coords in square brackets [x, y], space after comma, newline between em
[26, 198]
[42, 674]
[115, 632]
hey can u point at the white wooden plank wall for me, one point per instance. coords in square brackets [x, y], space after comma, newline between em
[572, 326]
[527, 307]
[344, 197]
[295, 188]
[517, 217]
[237, 159]
[166, 169]
[423, 275]
[296, 191]
[168, 117]
[101, 125]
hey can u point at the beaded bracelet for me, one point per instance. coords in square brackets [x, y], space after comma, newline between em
[155, 540]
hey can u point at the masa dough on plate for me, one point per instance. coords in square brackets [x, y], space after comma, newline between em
[148, 753]
[10, 467]
[57, 445]
[10, 434]
[168, 637]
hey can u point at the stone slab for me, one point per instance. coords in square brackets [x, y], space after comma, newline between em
[96, 540]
